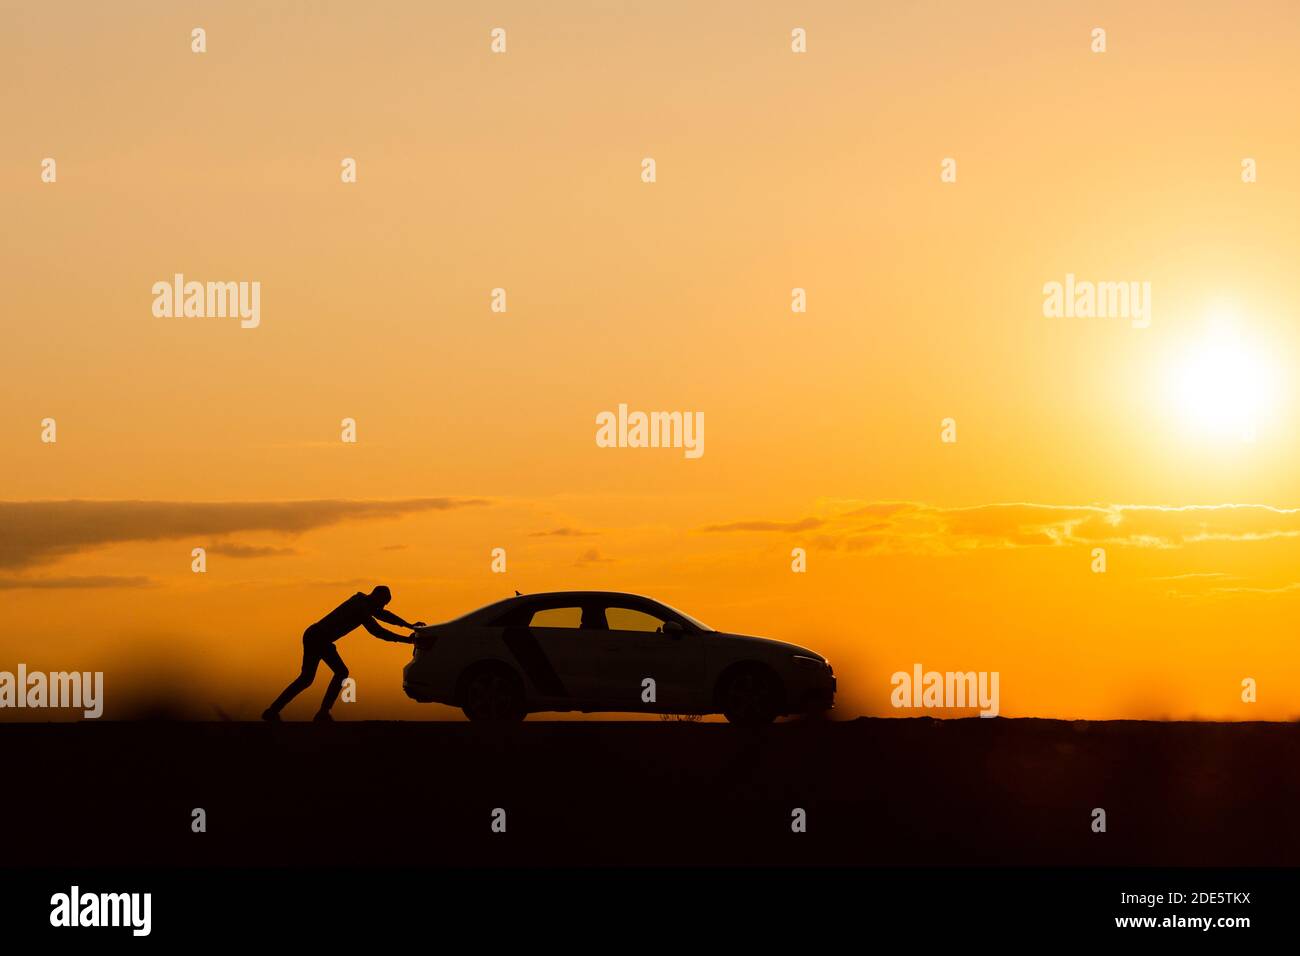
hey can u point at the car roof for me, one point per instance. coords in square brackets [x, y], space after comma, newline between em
[498, 607]
[491, 611]
[583, 595]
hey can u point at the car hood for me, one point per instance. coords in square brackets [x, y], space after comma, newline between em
[766, 644]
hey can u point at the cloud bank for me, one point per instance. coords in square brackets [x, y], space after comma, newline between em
[39, 532]
[914, 527]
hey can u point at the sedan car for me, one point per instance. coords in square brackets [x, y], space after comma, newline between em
[607, 651]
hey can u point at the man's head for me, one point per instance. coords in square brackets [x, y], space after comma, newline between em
[380, 595]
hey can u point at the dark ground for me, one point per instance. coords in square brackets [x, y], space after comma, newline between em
[876, 792]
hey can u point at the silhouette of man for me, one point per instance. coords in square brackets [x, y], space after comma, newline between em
[360, 610]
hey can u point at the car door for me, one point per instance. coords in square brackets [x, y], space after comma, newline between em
[551, 652]
[636, 646]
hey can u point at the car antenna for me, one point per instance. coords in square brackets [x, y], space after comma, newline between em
[517, 594]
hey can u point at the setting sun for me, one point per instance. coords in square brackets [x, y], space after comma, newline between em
[1223, 384]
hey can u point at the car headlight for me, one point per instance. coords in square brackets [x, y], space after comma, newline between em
[810, 663]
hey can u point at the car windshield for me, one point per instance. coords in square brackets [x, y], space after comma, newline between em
[698, 623]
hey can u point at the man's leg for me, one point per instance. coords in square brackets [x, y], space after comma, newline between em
[331, 657]
[311, 657]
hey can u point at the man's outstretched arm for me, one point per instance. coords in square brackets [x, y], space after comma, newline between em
[388, 616]
[384, 634]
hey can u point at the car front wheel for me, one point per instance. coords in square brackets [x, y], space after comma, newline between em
[750, 696]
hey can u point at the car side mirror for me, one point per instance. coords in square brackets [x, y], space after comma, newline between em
[674, 629]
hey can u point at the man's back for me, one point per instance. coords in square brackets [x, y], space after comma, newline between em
[348, 616]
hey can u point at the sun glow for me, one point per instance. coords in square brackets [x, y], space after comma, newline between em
[1223, 385]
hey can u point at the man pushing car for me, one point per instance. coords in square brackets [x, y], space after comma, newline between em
[360, 610]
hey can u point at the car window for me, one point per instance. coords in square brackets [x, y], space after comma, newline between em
[557, 617]
[630, 619]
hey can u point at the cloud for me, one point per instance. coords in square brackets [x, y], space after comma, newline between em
[915, 527]
[563, 533]
[1293, 588]
[12, 583]
[37, 532]
[1195, 575]
[591, 556]
[249, 550]
[806, 524]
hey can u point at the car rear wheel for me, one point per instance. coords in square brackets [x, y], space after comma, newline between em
[750, 696]
[493, 694]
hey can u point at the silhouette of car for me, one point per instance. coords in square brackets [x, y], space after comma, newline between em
[607, 651]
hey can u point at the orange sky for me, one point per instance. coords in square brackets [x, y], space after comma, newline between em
[775, 170]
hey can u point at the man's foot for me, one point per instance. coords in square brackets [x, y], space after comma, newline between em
[323, 717]
[271, 715]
